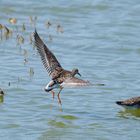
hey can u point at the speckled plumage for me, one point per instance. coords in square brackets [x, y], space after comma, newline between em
[132, 102]
[58, 75]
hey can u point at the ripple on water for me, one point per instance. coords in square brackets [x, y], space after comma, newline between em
[10, 126]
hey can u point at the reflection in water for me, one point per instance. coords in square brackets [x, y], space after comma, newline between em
[1, 99]
[69, 117]
[57, 124]
[129, 113]
[53, 133]
[60, 127]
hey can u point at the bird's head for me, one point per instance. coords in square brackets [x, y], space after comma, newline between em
[75, 71]
[1, 92]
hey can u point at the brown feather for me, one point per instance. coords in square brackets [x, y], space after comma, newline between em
[50, 62]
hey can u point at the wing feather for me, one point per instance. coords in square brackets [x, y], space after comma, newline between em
[49, 61]
[73, 81]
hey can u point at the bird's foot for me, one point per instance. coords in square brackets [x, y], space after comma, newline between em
[59, 99]
[58, 95]
[53, 94]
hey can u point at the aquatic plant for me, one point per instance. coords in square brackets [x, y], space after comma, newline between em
[10, 31]
[23, 27]
[48, 24]
[33, 20]
[1, 95]
[7, 32]
[1, 28]
[12, 20]
[60, 28]
[20, 39]
[31, 72]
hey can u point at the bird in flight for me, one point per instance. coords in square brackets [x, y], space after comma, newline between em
[59, 76]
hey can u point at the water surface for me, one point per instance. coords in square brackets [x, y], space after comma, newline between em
[102, 39]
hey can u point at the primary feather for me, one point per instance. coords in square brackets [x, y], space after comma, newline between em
[50, 62]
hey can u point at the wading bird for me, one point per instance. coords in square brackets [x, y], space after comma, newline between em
[59, 76]
[132, 103]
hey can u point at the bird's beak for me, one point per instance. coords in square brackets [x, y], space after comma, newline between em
[79, 74]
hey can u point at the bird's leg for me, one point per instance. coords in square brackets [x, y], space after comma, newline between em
[53, 93]
[58, 95]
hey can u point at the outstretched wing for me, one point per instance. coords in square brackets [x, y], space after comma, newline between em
[50, 62]
[73, 81]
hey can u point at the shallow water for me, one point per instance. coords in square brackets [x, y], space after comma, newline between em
[102, 39]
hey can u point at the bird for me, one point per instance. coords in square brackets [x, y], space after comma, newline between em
[1, 95]
[1, 92]
[132, 103]
[59, 76]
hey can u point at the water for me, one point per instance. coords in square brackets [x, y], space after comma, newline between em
[101, 38]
